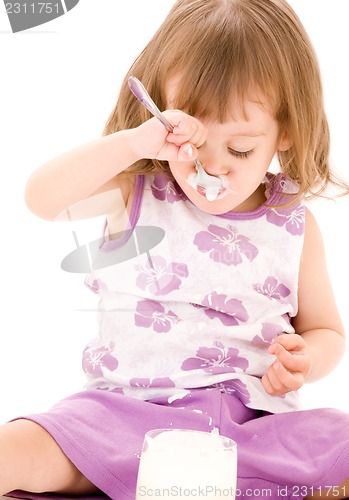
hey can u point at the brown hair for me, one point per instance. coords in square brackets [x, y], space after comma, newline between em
[220, 47]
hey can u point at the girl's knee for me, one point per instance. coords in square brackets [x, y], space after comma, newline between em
[31, 460]
[338, 492]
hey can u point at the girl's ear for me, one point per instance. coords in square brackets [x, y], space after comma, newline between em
[284, 142]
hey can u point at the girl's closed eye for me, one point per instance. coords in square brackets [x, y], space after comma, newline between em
[241, 154]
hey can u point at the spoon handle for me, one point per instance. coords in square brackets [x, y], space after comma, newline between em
[142, 95]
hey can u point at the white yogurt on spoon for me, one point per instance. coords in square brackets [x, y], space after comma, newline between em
[211, 186]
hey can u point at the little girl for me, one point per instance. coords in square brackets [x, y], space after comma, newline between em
[219, 310]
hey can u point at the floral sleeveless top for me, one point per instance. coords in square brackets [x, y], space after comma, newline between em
[189, 300]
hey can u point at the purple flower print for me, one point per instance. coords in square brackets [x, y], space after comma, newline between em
[163, 189]
[95, 359]
[229, 312]
[150, 313]
[236, 387]
[96, 285]
[290, 217]
[116, 390]
[272, 289]
[156, 382]
[268, 333]
[159, 277]
[225, 245]
[217, 359]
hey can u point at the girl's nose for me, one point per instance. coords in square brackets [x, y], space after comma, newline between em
[212, 161]
[215, 168]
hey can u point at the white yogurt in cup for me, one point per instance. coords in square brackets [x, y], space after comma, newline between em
[186, 464]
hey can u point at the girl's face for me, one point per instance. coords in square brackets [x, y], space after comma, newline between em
[241, 150]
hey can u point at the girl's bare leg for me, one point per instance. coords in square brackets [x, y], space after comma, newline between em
[339, 492]
[31, 460]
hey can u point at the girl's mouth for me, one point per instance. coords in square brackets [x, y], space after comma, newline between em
[211, 194]
[209, 188]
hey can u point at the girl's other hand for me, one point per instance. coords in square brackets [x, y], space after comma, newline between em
[292, 366]
[152, 140]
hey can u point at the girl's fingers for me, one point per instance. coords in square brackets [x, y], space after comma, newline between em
[293, 361]
[186, 129]
[278, 380]
[290, 341]
[267, 384]
[275, 386]
[187, 152]
[289, 381]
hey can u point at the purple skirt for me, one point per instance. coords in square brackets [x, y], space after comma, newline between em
[286, 455]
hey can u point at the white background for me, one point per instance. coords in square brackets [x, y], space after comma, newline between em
[58, 84]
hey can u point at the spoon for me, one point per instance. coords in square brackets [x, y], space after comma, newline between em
[211, 184]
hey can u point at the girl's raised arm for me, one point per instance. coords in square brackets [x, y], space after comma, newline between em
[94, 167]
[78, 174]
